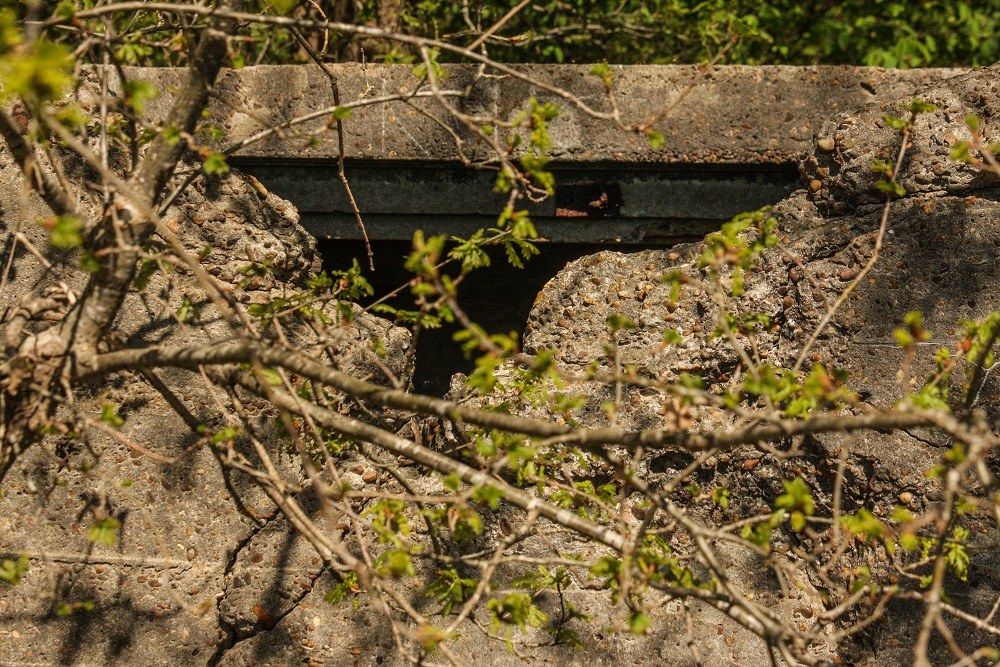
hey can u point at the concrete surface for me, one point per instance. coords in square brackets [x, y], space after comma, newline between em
[206, 573]
[732, 138]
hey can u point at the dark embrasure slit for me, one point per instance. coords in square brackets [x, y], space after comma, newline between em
[621, 207]
[498, 298]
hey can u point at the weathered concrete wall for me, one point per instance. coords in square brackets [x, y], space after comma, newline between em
[207, 572]
[939, 258]
[723, 115]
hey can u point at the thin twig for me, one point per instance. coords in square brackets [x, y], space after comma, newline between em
[501, 22]
[341, 172]
[876, 252]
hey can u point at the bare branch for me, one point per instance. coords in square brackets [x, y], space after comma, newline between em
[192, 358]
[58, 198]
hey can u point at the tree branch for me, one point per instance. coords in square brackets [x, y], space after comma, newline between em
[127, 223]
[436, 461]
[57, 198]
[235, 353]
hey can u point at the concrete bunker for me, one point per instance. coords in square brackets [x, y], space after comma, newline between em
[225, 552]
[732, 139]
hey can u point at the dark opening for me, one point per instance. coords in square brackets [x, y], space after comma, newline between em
[498, 298]
[589, 200]
[620, 206]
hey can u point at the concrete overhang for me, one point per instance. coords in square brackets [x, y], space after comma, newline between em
[732, 136]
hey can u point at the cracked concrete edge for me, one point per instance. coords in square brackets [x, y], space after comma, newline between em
[728, 115]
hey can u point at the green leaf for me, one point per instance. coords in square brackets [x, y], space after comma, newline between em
[534, 167]
[420, 71]
[863, 523]
[138, 93]
[72, 116]
[341, 113]
[895, 123]
[349, 585]
[10, 32]
[675, 279]
[617, 322]
[396, 563]
[639, 623]
[655, 139]
[736, 282]
[961, 152]
[110, 416]
[914, 319]
[882, 167]
[672, 337]
[798, 500]
[89, 262]
[171, 135]
[760, 533]
[429, 636]
[70, 608]
[266, 311]
[66, 232]
[602, 70]
[490, 495]
[270, 376]
[930, 397]
[903, 338]
[104, 531]
[450, 589]
[226, 434]
[920, 106]
[452, 482]
[215, 163]
[144, 274]
[131, 53]
[891, 188]
[389, 521]
[41, 73]
[909, 541]
[956, 555]
[505, 180]
[516, 609]
[470, 251]
[65, 9]
[187, 310]
[689, 381]
[12, 571]
[283, 7]
[426, 254]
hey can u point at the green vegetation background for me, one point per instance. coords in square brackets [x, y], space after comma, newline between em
[887, 33]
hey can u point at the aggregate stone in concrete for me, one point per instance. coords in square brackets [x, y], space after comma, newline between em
[839, 171]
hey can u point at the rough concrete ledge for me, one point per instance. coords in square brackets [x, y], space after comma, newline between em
[732, 136]
[728, 115]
